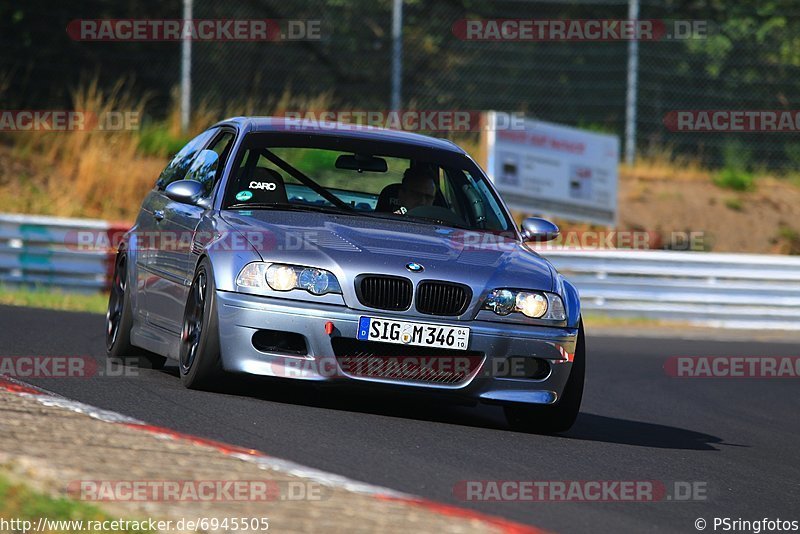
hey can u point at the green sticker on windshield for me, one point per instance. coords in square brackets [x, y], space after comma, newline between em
[244, 195]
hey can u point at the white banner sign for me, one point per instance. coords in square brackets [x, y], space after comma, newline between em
[554, 170]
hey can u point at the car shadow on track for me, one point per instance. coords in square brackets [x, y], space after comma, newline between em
[592, 427]
[588, 427]
[356, 399]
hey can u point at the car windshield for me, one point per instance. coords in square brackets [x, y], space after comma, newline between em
[363, 177]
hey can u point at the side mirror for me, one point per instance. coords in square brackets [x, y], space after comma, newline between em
[185, 191]
[197, 181]
[538, 230]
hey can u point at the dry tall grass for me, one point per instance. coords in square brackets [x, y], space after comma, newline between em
[212, 110]
[96, 173]
[105, 174]
[663, 164]
[90, 173]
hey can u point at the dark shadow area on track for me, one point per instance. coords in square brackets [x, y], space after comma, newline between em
[354, 399]
[588, 427]
[592, 427]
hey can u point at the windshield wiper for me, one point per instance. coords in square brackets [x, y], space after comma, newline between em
[332, 209]
[441, 222]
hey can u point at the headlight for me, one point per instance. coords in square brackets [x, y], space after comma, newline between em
[533, 304]
[317, 281]
[282, 277]
[501, 301]
[253, 275]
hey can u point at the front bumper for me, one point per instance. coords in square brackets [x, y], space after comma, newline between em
[242, 315]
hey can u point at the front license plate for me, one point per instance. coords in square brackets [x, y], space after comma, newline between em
[419, 334]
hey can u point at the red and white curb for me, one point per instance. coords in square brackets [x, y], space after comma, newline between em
[262, 460]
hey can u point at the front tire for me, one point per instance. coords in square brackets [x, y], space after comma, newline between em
[561, 416]
[200, 353]
[119, 321]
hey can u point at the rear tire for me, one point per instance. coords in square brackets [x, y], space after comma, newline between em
[199, 363]
[558, 417]
[119, 321]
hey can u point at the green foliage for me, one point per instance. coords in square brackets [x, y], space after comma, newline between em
[792, 151]
[318, 161]
[20, 502]
[736, 173]
[156, 140]
[734, 204]
[43, 297]
[596, 127]
[791, 238]
[736, 179]
[749, 59]
[736, 155]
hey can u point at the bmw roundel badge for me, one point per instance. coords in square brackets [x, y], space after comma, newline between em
[415, 267]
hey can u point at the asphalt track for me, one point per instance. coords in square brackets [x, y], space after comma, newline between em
[738, 438]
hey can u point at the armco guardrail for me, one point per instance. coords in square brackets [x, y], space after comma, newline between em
[711, 289]
[44, 251]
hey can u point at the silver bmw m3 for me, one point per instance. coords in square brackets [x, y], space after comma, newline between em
[347, 255]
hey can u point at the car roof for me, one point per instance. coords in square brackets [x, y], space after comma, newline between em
[352, 131]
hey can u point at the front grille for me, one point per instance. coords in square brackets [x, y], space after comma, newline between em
[388, 361]
[442, 298]
[384, 292]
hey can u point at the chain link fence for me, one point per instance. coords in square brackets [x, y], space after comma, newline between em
[750, 60]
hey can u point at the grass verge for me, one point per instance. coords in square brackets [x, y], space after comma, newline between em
[63, 515]
[597, 320]
[41, 297]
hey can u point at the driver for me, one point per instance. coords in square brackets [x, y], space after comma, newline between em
[418, 189]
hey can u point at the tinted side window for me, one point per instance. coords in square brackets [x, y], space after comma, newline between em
[177, 168]
[222, 145]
